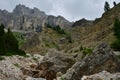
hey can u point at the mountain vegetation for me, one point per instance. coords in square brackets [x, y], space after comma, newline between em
[116, 29]
[106, 7]
[59, 49]
[8, 43]
[57, 28]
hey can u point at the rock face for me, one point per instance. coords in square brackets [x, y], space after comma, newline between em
[104, 75]
[32, 40]
[53, 65]
[101, 59]
[24, 18]
[61, 61]
[83, 23]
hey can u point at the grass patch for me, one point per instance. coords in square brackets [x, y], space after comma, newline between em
[17, 65]
[19, 37]
[86, 51]
[61, 78]
[35, 59]
[2, 58]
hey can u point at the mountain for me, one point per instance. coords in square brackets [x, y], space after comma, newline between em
[86, 33]
[83, 22]
[24, 18]
[101, 29]
[69, 53]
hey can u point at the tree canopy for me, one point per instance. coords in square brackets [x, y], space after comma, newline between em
[8, 43]
[116, 29]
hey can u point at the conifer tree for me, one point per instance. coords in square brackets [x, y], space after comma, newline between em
[11, 42]
[106, 7]
[114, 3]
[2, 41]
[117, 28]
[116, 44]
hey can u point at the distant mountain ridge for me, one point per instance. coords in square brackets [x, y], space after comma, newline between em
[24, 18]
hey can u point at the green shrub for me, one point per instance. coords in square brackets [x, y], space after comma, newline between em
[57, 28]
[116, 44]
[2, 58]
[81, 48]
[17, 65]
[19, 37]
[61, 78]
[69, 39]
[86, 51]
[9, 44]
[35, 59]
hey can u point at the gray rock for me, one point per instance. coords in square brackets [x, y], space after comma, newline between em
[61, 61]
[102, 59]
[24, 18]
[104, 75]
[31, 78]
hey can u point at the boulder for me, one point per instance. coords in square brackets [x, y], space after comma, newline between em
[31, 78]
[53, 65]
[61, 61]
[104, 75]
[101, 59]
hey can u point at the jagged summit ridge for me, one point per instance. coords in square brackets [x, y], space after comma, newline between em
[21, 10]
[27, 19]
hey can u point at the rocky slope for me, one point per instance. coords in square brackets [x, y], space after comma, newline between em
[24, 18]
[102, 64]
[102, 59]
[10, 68]
[93, 32]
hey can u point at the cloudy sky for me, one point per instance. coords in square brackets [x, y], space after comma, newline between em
[70, 9]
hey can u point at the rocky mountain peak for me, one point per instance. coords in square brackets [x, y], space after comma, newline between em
[83, 22]
[21, 10]
[25, 18]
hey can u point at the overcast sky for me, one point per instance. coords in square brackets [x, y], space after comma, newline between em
[70, 9]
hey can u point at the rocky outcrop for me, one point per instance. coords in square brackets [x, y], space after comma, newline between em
[61, 61]
[83, 23]
[101, 59]
[59, 20]
[31, 78]
[32, 41]
[53, 65]
[104, 75]
[24, 18]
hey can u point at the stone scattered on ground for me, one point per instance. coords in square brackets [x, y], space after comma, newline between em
[53, 65]
[31, 78]
[103, 63]
[104, 75]
[10, 67]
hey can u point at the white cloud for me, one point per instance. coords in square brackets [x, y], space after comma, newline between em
[70, 9]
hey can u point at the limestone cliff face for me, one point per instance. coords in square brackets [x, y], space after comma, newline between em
[24, 18]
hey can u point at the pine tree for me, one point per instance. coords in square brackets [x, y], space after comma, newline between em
[2, 40]
[117, 28]
[116, 44]
[11, 42]
[114, 3]
[106, 7]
